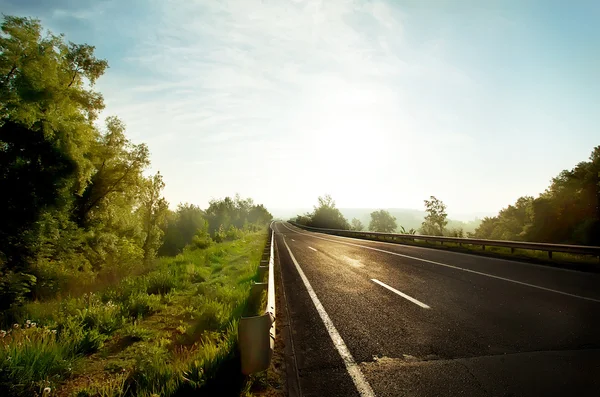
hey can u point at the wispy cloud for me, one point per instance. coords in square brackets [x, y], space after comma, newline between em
[349, 97]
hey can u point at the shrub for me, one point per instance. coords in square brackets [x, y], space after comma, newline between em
[233, 233]
[142, 305]
[161, 282]
[201, 240]
[220, 235]
[106, 318]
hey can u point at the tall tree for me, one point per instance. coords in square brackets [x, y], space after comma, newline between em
[153, 210]
[357, 224]
[382, 221]
[436, 218]
[118, 167]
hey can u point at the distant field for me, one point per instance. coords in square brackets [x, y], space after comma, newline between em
[171, 330]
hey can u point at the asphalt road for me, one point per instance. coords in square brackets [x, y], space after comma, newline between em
[372, 318]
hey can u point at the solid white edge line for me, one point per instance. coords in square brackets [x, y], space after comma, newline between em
[312, 248]
[449, 266]
[402, 294]
[363, 387]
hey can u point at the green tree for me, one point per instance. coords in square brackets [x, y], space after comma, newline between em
[45, 85]
[357, 224]
[153, 210]
[436, 218]
[567, 212]
[181, 227]
[382, 221]
[326, 215]
[47, 109]
[118, 171]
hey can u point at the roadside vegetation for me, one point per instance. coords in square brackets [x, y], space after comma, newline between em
[568, 212]
[104, 290]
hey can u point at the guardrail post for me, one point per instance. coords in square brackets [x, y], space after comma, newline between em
[512, 250]
[256, 335]
[483, 247]
[549, 254]
[262, 270]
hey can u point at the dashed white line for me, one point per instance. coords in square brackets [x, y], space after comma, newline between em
[448, 266]
[363, 387]
[402, 294]
[312, 248]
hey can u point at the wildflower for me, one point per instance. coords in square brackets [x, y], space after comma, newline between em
[33, 325]
[28, 322]
[16, 326]
[54, 331]
[47, 391]
[2, 333]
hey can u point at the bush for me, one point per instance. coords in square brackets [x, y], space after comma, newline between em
[201, 240]
[14, 288]
[161, 282]
[142, 305]
[233, 233]
[106, 318]
[220, 235]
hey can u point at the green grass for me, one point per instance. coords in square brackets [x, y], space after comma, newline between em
[169, 331]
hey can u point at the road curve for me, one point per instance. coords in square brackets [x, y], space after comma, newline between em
[378, 319]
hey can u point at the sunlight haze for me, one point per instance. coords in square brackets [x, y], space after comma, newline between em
[380, 104]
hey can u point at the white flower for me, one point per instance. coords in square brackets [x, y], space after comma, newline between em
[16, 326]
[54, 331]
[28, 322]
[2, 333]
[33, 325]
[47, 391]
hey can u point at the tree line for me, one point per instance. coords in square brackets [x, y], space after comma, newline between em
[326, 215]
[75, 199]
[567, 212]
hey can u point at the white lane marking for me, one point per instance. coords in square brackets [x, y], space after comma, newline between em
[312, 248]
[394, 290]
[363, 387]
[293, 240]
[450, 266]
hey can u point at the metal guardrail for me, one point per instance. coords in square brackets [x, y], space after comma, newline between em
[256, 334]
[549, 248]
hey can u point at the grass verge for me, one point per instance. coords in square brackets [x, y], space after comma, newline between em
[170, 332]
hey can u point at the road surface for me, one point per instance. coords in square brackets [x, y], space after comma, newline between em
[381, 319]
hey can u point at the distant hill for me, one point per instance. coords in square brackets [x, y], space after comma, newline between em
[409, 218]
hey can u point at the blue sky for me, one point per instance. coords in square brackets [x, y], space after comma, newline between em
[379, 103]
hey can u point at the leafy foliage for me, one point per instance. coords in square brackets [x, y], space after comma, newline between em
[325, 215]
[224, 219]
[567, 212]
[436, 218]
[357, 224]
[382, 221]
